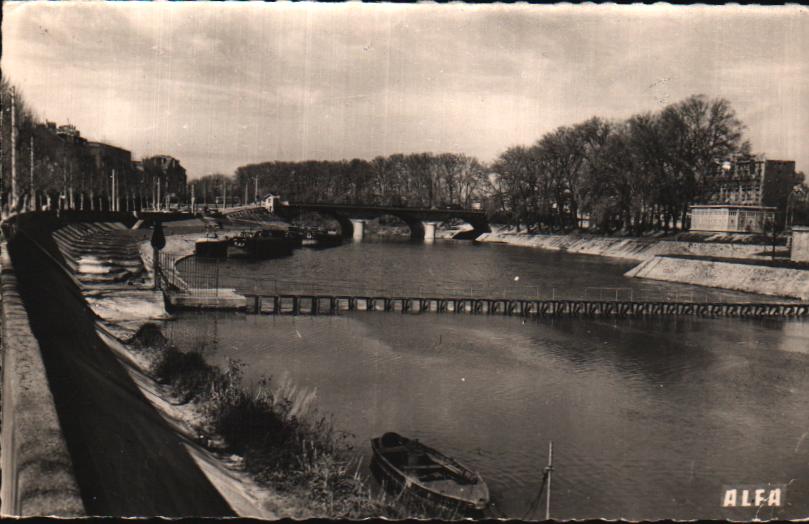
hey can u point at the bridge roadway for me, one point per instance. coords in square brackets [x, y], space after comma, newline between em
[335, 304]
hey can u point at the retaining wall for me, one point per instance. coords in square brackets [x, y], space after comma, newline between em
[629, 248]
[37, 470]
[750, 278]
[127, 460]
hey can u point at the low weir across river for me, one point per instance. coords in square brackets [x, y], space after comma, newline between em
[333, 304]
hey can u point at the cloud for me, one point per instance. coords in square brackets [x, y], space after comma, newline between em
[222, 84]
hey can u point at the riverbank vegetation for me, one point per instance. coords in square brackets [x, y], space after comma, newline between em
[285, 444]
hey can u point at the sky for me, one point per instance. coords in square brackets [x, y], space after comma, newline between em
[226, 84]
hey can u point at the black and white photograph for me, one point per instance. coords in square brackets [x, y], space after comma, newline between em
[343, 261]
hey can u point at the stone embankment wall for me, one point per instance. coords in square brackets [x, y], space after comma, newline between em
[629, 248]
[763, 280]
[127, 460]
[37, 470]
[652, 253]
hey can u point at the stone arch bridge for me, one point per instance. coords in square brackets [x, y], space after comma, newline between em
[422, 221]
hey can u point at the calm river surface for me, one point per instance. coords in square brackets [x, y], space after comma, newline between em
[650, 419]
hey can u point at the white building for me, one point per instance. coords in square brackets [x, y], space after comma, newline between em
[271, 202]
[726, 218]
[743, 194]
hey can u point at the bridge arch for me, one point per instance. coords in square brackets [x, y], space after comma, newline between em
[418, 220]
[349, 222]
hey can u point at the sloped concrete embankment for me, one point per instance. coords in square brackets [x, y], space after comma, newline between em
[103, 260]
[629, 248]
[750, 278]
[126, 459]
[37, 470]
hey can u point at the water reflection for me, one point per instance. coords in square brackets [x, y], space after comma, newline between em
[650, 418]
[456, 269]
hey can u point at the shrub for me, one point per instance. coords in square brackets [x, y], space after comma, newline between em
[284, 442]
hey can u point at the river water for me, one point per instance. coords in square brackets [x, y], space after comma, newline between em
[650, 419]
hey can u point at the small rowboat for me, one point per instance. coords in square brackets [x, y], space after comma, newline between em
[429, 475]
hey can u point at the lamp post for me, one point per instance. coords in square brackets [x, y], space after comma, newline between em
[158, 242]
[773, 229]
[796, 190]
[14, 194]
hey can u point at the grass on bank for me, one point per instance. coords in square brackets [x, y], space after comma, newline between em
[284, 443]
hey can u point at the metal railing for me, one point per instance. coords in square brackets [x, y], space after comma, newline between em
[193, 275]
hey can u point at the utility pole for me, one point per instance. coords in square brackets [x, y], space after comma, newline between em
[255, 193]
[2, 156]
[33, 199]
[71, 201]
[13, 150]
[224, 193]
[245, 195]
[63, 198]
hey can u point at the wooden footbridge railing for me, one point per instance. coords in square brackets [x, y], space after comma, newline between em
[335, 304]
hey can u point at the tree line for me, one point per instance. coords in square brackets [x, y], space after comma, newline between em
[413, 180]
[632, 175]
